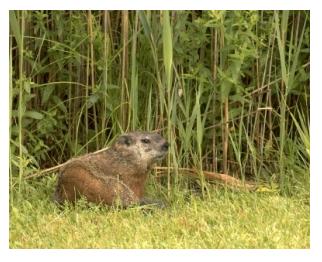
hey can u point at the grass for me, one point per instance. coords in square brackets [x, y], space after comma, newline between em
[226, 219]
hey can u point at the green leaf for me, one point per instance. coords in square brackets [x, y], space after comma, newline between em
[26, 86]
[34, 115]
[144, 21]
[46, 93]
[14, 25]
[93, 99]
[167, 46]
[111, 86]
[60, 104]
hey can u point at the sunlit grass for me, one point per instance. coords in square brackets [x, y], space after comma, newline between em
[227, 219]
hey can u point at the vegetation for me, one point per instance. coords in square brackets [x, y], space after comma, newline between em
[227, 219]
[228, 89]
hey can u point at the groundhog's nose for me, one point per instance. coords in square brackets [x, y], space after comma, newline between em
[165, 146]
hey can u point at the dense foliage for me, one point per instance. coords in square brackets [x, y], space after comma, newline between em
[229, 89]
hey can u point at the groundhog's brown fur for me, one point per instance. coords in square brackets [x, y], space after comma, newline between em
[114, 176]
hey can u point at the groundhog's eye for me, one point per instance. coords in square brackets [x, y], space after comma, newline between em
[145, 140]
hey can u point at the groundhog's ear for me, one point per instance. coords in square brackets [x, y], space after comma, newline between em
[126, 140]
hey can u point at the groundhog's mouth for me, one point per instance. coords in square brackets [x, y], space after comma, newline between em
[163, 151]
[160, 156]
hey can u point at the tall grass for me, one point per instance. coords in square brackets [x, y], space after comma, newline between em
[228, 89]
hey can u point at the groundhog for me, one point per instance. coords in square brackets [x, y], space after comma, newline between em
[115, 176]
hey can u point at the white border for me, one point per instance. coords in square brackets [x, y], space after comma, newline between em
[315, 129]
[313, 254]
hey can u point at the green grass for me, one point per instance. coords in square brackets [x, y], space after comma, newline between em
[225, 219]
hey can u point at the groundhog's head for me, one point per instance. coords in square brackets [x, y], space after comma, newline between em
[146, 147]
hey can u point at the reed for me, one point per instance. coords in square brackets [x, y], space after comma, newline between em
[229, 89]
